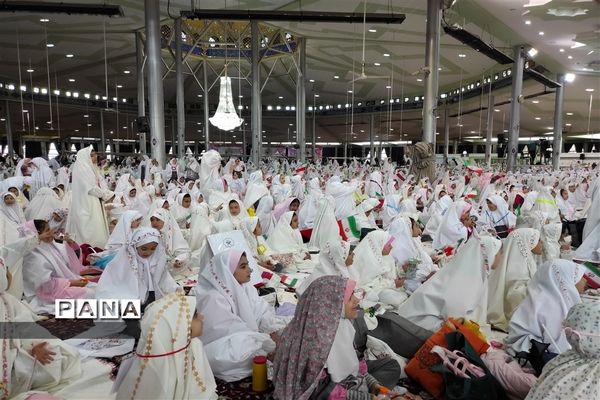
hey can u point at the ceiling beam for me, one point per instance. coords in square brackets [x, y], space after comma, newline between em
[295, 16]
[42, 7]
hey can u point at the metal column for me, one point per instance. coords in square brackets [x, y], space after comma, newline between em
[256, 100]
[102, 148]
[173, 137]
[432, 63]
[371, 134]
[515, 109]
[314, 132]
[155, 88]
[446, 134]
[180, 92]
[206, 110]
[141, 97]
[558, 121]
[489, 129]
[301, 100]
[9, 133]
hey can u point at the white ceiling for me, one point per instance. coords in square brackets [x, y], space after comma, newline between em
[332, 51]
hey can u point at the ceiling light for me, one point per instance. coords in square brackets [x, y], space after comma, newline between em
[119, 86]
[376, 64]
[590, 52]
[85, 116]
[541, 33]
[589, 90]
[349, 91]
[570, 57]
[280, 97]
[386, 54]
[497, 110]
[86, 95]
[69, 55]
[44, 20]
[535, 101]
[532, 52]
[562, 50]
[462, 55]
[2, 119]
[373, 30]
[126, 71]
[311, 80]
[388, 87]
[30, 70]
[199, 95]
[419, 80]
[71, 80]
[336, 77]
[49, 45]
[570, 77]
[316, 95]
[568, 124]
[537, 118]
[527, 22]
[577, 44]
[126, 128]
[89, 124]
[76, 130]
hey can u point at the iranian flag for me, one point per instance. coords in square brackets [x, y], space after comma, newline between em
[472, 167]
[300, 170]
[350, 228]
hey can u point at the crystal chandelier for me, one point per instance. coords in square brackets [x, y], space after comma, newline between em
[226, 117]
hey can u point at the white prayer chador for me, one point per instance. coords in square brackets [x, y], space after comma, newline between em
[129, 276]
[24, 375]
[550, 237]
[122, 232]
[502, 216]
[158, 370]
[45, 202]
[237, 322]
[47, 272]
[574, 375]
[451, 229]
[444, 294]
[12, 213]
[264, 212]
[590, 248]
[407, 247]
[508, 282]
[285, 239]
[325, 228]
[176, 247]
[332, 261]
[87, 220]
[550, 295]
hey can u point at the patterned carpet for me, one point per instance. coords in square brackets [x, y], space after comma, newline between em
[241, 390]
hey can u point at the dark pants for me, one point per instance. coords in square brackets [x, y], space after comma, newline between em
[386, 370]
[132, 326]
[576, 231]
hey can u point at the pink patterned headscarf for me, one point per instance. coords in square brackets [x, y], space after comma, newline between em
[307, 340]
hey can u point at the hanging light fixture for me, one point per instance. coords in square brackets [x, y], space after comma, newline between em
[226, 117]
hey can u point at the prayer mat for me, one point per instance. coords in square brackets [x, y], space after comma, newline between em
[65, 328]
[242, 390]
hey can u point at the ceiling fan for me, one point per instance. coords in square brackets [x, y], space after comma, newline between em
[363, 76]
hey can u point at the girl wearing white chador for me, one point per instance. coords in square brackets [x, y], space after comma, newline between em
[45, 202]
[177, 249]
[24, 372]
[238, 322]
[573, 375]
[129, 221]
[550, 295]
[170, 361]
[87, 221]
[286, 239]
[460, 289]
[334, 259]
[508, 283]
[131, 276]
[376, 270]
[52, 271]
[407, 247]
